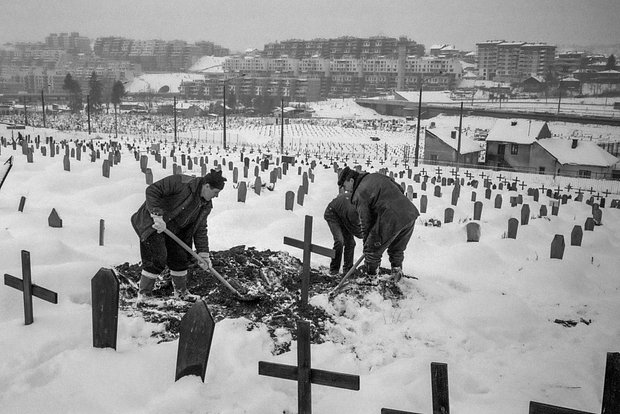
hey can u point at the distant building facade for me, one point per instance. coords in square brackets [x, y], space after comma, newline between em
[513, 61]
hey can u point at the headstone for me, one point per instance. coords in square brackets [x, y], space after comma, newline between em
[525, 214]
[148, 174]
[144, 160]
[543, 210]
[101, 231]
[242, 192]
[589, 226]
[576, 236]
[195, 337]
[557, 247]
[257, 185]
[105, 294]
[301, 192]
[473, 196]
[455, 195]
[513, 225]
[66, 163]
[54, 220]
[478, 210]
[437, 192]
[498, 201]
[105, 169]
[597, 216]
[448, 215]
[555, 207]
[423, 203]
[473, 231]
[487, 193]
[289, 200]
[22, 202]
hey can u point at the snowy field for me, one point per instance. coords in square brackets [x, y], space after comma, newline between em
[487, 309]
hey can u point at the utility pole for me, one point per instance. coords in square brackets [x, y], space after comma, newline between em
[43, 106]
[417, 134]
[174, 115]
[25, 114]
[458, 146]
[282, 130]
[224, 113]
[88, 111]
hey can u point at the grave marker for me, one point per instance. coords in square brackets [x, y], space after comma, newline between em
[66, 163]
[589, 226]
[478, 210]
[105, 293]
[423, 203]
[308, 249]
[513, 225]
[557, 247]
[242, 192]
[54, 220]
[525, 214]
[448, 215]
[196, 335]
[498, 201]
[304, 374]
[257, 185]
[543, 211]
[22, 201]
[576, 236]
[300, 195]
[289, 200]
[148, 175]
[473, 231]
[106, 169]
[29, 289]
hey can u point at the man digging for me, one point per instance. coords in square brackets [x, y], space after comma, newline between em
[181, 204]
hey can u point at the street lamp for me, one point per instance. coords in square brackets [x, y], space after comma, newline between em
[43, 102]
[224, 103]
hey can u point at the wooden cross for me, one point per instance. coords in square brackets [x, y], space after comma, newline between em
[304, 374]
[611, 392]
[438, 171]
[516, 180]
[568, 187]
[523, 185]
[580, 191]
[308, 248]
[598, 196]
[468, 174]
[454, 173]
[395, 164]
[30, 290]
[439, 391]
[483, 175]
[542, 187]
[591, 190]
[559, 189]
[501, 177]
[423, 171]
[607, 193]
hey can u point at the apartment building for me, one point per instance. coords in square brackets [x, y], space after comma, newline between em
[345, 47]
[70, 42]
[513, 62]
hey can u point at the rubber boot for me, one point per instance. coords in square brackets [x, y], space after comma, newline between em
[147, 283]
[179, 281]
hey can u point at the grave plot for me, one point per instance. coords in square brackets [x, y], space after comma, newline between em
[277, 273]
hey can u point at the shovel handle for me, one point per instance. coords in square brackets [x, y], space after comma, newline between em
[201, 261]
[349, 273]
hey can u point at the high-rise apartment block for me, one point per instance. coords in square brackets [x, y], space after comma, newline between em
[70, 42]
[513, 61]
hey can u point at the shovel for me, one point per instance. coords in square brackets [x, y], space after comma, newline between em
[247, 297]
[335, 290]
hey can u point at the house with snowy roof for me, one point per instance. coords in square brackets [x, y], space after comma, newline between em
[509, 143]
[572, 157]
[441, 146]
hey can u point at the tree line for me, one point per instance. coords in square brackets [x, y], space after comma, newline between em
[95, 98]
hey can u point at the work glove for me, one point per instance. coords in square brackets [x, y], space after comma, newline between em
[158, 223]
[206, 260]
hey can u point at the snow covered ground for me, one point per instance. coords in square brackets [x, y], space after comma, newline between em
[487, 309]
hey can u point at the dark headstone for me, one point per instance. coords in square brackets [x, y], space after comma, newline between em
[289, 200]
[195, 337]
[105, 295]
[557, 247]
[576, 236]
[423, 203]
[478, 210]
[525, 214]
[54, 220]
[242, 192]
[473, 231]
[513, 225]
[498, 201]
[448, 215]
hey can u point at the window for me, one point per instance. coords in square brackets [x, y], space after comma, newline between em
[541, 170]
[585, 173]
[514, 149]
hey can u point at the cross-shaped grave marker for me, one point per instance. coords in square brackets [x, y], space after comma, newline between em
[308, 249]
[304, 374]
[438, 172]
[30, 290]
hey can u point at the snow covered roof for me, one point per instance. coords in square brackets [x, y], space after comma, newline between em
[585, 153]
[468, 145]
[427, 96]
[515, 131]
[155, 82]
[208, 64]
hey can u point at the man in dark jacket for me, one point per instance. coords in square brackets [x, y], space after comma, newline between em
[181, 204]
[344, 224]
[387, 217]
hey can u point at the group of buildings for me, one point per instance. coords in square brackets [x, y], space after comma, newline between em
[521, 145]
[295, 70]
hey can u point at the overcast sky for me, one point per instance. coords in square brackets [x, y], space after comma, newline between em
[241, 24]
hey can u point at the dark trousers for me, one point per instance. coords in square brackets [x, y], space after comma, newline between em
[343, 239]
[395, 247]
[159, 251]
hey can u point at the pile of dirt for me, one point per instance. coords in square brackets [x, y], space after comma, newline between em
[275, 274]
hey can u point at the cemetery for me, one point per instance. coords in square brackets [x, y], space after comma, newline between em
[511, 285]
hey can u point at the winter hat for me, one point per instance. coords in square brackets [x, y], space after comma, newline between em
[346, 174]
[214, 179]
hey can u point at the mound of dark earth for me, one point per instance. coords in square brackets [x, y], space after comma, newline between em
[276, 275]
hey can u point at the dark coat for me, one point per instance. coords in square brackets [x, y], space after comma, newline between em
[341, 210]
[177, 198]
[382, 207]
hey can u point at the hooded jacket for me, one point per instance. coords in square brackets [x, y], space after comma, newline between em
[382, 206]
[176, 198]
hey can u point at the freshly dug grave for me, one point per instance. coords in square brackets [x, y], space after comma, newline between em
[276, 275]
